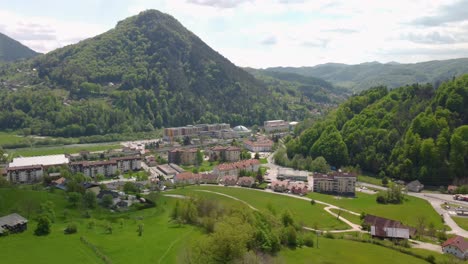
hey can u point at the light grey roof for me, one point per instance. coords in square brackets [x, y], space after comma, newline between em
[11, 220]
[241, 129]
[39, 160]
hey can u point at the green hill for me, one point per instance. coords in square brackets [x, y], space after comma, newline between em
[363, 76]
[147, 72]
[314, 89]
[412, 132]
[11, 50]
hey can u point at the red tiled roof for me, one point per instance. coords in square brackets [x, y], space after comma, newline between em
[458, 242]
[187, 176]
[245, 180]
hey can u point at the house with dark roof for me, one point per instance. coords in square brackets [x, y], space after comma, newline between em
[13, 223]
[387, 228]
[415, 186]
[456, 246]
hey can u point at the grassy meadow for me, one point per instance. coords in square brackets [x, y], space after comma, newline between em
[309, 215]
[408, 212]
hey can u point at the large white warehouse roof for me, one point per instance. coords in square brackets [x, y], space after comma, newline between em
[50, 160]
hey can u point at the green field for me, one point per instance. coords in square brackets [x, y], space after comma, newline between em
[161, 241]
[355, 219]
[205, 166]
[40, 151]
[10, 138]
[461, 221]
[345, 251]
[408, 212]
[370, 179]
[309, 215]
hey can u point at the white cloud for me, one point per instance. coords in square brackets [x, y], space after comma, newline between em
[297, 32]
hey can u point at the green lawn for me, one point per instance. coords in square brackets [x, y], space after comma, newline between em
[408, 212]
[161, 242]
[205, 166]
[309, 215]
[461, 221]
[10, 138]
[355, 219]
[39, 151]
[346, 251]
[370, 179]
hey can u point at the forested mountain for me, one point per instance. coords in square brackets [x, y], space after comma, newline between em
[412, 132]
[311, 88]
[149, 71]
[11, 50]
[363, 76]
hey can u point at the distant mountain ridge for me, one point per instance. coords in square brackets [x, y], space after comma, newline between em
[11, 50]
[393, 74]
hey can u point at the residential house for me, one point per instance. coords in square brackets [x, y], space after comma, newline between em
[187, 178]
[415, 186]
[386, 228]
[456, 246]
[341, 183]
[245, 181]
[172, 133]
[229, 180]
[150, 161]
[298, 188]
[183, 156]
[233, 169]
[224, 154]
[280, 186]
[13, 223]
[208, 178]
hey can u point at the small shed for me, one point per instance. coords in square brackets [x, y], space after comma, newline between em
[13, 223]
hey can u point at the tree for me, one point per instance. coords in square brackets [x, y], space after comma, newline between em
[199, 157]
[71, 228]
[107, 200]
[43, 226]
[319, 164]
[385, 181]
[130, 187]
[331, 146]
[74, 198]
[47, 209]
[89, 200]
[257, 155]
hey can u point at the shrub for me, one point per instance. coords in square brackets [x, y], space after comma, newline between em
[312, 202]
[381, 199]
[309, 241]
[329, 235]
[71, 229]
[430, 259]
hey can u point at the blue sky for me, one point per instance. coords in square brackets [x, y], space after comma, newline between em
[264, 33]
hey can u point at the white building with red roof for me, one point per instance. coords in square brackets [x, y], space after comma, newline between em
[456, 246]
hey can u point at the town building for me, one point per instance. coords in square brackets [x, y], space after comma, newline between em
[293, 175]
[276, 126]
[170, 170]
[172, 133]
[183, 156]
[13, 223]
[386, 228]
[298, 187]
[456, 246]
[128, 163]
[208, 178]
[91, 169]
[415, 186]
[260, 145]
[341, 183]
[233, 169]
[31, 169]
[224, 154]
